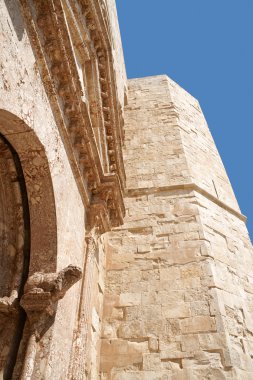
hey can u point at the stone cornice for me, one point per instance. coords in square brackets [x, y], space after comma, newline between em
[94, 171]
[190, 187]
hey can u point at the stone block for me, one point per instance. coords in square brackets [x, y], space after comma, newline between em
[180, 310]
[153, 344]
[190, 342]
[152, 362]
[129, 299]
[198, 324]
[143, 248]
[132, 330]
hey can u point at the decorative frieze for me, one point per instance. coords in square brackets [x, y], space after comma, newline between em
[93, 130]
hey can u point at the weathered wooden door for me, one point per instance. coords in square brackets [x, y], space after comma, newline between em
[14, 256]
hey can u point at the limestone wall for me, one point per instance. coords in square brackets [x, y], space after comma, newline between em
[203, 160]
[22, 94]
[178, 292]
[36, 117]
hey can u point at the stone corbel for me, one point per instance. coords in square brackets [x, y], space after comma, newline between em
[41, 294]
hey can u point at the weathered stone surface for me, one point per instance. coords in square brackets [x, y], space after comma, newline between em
[167, 295]
[47, 110]
[178, 262]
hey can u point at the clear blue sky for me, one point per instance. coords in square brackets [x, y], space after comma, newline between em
[207, 48]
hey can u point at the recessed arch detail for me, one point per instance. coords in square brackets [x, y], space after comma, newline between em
[31, 152]
[28, 231]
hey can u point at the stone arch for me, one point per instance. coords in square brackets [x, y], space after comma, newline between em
[33, 159]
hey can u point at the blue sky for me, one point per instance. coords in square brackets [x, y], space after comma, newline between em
[206, 47]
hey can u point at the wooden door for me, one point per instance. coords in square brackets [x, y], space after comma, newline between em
[14, 256]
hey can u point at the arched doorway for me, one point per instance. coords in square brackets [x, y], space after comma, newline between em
[37, 176]
[28, 232]
[14, 254]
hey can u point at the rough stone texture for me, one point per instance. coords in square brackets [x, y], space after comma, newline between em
[179, 271]
[178, 297]
[60, 216]
[23, 94]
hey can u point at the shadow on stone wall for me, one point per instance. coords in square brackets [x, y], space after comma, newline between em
[15, 13]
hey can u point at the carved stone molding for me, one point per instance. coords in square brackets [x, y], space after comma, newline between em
[93, 144]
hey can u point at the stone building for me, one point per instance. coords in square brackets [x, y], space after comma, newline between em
[124, 254]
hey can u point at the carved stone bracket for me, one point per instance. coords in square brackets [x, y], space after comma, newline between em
[43, 290]
[41, 294]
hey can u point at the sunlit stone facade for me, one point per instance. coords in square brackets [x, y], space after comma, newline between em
[124, 254]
